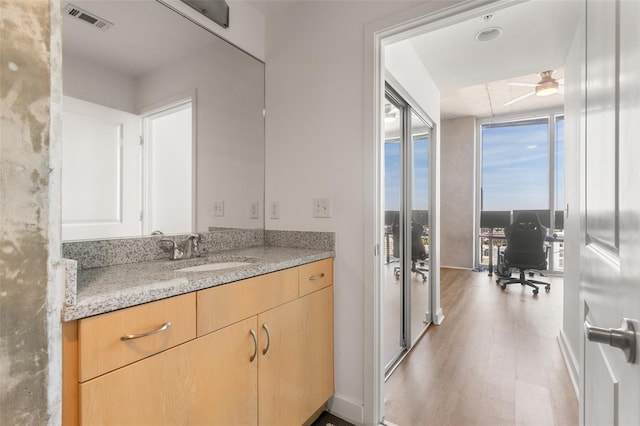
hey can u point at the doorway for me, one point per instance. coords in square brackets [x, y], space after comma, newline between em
[406, 200]
[384, 35]
[168, 175]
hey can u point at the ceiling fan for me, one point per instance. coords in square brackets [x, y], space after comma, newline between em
[545, 87]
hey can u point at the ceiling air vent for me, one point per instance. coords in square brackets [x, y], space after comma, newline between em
[87, 17]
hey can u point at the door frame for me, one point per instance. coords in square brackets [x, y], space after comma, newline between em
[421, 19]
[158, 108]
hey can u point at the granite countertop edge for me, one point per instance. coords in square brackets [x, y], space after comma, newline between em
[111, 293]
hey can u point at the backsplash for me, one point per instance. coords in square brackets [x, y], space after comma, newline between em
[301, 239]
[98, 253]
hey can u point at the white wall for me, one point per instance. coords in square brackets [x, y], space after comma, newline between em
[403, 63]
[98, 84]
[315, 148]
[457, 145]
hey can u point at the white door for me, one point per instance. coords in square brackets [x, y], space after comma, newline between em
[169, 171]
[101, 171]
[610, 210]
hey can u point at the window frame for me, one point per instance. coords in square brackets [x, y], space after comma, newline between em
[552, 116]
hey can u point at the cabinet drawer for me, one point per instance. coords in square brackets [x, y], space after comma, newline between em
[101, 348]
[314, 276]
[227, 304]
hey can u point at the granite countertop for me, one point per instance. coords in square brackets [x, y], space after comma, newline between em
[109, 288]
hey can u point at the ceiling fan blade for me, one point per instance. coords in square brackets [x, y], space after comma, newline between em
[513, 101]
[524, 84]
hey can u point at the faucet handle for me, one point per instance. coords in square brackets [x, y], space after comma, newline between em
[196, 239]
[176, 253]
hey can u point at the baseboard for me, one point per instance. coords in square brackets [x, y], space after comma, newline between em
[464, 268]
[346, 409]
[570, 362]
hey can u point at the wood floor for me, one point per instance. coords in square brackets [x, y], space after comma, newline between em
[495, 360]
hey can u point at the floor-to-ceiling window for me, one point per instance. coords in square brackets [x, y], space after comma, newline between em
[406, 191]
[522, 168]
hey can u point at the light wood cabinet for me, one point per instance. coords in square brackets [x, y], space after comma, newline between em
[296, 372]
[101, 348]
[213, 377]
[209, 381]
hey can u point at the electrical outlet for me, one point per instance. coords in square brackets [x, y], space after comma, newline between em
[254, 212]
[321, 207]
[218, 208]
[274, 210]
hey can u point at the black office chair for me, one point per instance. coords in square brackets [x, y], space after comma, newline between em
[525, 250]
[419, 254]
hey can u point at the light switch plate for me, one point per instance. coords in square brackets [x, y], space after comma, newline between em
[274, 210]
[254, 212]
[218, 208]
[321, 207]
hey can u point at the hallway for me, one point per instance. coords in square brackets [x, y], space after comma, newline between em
[495, 360]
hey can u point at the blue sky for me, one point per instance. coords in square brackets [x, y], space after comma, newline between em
[515, 167]
[515, 172]
[420, 172]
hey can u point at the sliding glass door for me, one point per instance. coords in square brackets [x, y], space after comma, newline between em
[406, 191]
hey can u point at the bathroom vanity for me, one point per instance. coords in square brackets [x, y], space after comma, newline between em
[257, 350]
[242, 334]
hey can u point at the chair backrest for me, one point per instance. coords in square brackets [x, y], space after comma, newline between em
[418, 252]
[525, 242]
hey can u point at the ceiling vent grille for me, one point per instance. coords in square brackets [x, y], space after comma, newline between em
[87, 17]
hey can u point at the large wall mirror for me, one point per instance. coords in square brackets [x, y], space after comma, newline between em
[163, 124]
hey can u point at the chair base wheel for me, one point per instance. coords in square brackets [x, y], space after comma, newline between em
[503, 286]
[535, 291]
[547, 288]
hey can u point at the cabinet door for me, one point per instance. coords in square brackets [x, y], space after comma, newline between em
[317, 349]
[296, 372]
[210, 380]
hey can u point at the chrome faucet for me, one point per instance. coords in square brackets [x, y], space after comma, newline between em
[189, 248]
[175, 251]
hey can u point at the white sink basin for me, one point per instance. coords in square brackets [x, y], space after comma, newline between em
[213, 266]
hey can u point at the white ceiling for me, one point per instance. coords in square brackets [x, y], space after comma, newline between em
[473, 76]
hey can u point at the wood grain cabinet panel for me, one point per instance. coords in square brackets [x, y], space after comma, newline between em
[100, 346]
[208, 381]
[296, 372]
[314, 276]
[223, 305]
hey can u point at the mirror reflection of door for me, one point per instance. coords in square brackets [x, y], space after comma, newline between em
[101, 177]
[405, 199]
[168, 169]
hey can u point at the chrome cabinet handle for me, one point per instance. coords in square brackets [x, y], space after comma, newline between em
[623, 338]
[255, 345]
[164, 327]
[316, 277]
[266, 329]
